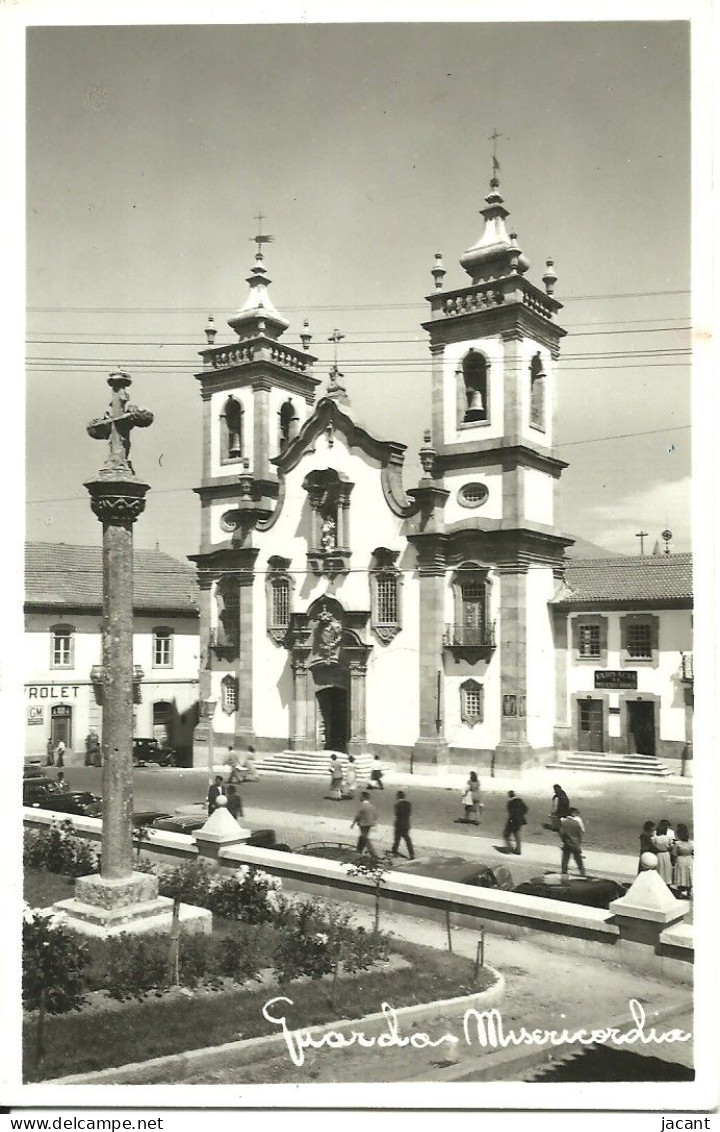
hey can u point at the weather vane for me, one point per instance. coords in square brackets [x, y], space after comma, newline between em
[260, 239]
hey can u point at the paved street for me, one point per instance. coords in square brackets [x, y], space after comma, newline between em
[613, 810]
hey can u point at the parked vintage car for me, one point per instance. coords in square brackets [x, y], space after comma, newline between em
[189, 823]
[44, 794]
[152, 751]
[593, 892]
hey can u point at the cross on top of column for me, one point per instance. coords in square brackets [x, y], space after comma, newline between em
[117, 423]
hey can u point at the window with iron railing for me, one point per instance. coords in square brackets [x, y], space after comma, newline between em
[639, 642]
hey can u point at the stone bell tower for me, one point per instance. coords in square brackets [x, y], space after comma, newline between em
[256, 393]
[494, 345]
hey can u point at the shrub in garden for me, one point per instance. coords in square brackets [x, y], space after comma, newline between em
[53, 965]
[58, 851]
[135, 964]
[244, 953]
[249, 894]
[53, 969]
[362, 950]
[190, 883]
[201, 960]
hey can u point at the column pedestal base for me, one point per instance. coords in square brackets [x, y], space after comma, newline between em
[511, 759]
[431, 753]
[103, 908]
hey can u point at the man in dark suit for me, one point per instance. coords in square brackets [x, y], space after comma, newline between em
[403, 809]
[234, 803]
[516, 811]
[214, 792]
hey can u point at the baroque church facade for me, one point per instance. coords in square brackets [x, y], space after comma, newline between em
[343, 608]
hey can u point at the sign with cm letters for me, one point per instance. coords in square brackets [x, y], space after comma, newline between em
[616, 678]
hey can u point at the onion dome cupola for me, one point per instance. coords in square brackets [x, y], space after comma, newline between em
[258, 314]
[496, 253]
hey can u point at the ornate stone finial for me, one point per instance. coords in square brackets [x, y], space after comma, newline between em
[438, 271]
[335, 386]
[427, 453]
[210, 330]
[549, 278]
[116, 425]
[306, 336]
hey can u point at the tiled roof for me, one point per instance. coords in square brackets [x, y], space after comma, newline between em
[59, 574]
[662, 577]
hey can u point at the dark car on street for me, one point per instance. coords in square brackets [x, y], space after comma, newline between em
[45, 794]
[152, 751]
[593, 892]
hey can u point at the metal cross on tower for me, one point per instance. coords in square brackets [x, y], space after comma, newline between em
[494, 138]
[336, 337]
[642, 535]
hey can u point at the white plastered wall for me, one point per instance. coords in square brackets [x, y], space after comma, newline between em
[540, 700]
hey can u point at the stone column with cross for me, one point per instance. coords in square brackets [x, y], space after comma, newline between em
[118, 899]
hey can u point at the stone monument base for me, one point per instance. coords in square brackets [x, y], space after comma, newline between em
[105, 907]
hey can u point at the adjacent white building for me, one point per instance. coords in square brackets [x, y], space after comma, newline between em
[63, 647]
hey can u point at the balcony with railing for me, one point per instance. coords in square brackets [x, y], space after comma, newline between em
[686, 667]
[469, 641]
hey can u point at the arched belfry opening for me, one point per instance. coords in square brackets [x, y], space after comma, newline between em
[289, 423]
[232, 421]
[474, 374]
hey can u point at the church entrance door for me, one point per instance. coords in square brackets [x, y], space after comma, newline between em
[333, 718]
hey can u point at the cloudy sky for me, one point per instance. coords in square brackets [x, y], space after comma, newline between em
[151, 148]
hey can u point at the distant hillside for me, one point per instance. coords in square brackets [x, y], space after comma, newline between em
[584, 549]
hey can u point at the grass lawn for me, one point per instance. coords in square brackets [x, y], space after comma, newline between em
[41, 888]
[137, 1031]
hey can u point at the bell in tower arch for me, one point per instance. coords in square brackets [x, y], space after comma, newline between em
[474, 375]
[289, 423]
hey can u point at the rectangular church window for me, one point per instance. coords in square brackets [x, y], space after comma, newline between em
[387, 601]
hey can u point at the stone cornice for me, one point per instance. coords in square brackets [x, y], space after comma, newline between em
[235, 560]
[508, 317]
[518, 450]
[261, 373]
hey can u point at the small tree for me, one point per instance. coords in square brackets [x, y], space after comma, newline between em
[141, 834]
[375, 870]
[53, 964]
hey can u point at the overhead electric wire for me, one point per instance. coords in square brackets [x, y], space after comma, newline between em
[563, 444]
[324, 307]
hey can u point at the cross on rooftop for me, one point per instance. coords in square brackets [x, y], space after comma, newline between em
[642, 535]
[260, 239]
[336, 337]
[494, 138]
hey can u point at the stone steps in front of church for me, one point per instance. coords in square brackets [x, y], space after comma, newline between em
[311, 763]
[616, 764]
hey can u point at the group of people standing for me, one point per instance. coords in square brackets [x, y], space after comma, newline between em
[673, 851]
[240, 771]
[344, 779]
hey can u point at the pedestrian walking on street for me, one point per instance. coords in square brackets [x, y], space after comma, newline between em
[571, 834]
[60, 754]
[472, 800]
[647, 844]
[682, 854]
[516, 819]
[349, 785]
[662, 844]
[376, 775]
[234, 802]
[403, 809]
[92, 748]
[336, 778]
[365, 819]
[214, 792]
[251, 774]
[50, 753]
[559, 807]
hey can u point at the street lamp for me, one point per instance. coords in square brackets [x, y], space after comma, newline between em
[208, 707]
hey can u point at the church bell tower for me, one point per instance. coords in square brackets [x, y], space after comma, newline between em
[495, 344]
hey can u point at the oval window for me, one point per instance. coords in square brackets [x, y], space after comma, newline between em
[473, 494]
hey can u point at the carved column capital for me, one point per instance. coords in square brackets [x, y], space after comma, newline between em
[117, 502]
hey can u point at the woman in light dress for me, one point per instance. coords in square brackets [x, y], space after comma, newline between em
[336, 778]
[663, 843]
[472, 800]
[349, 785]
[682, 854]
